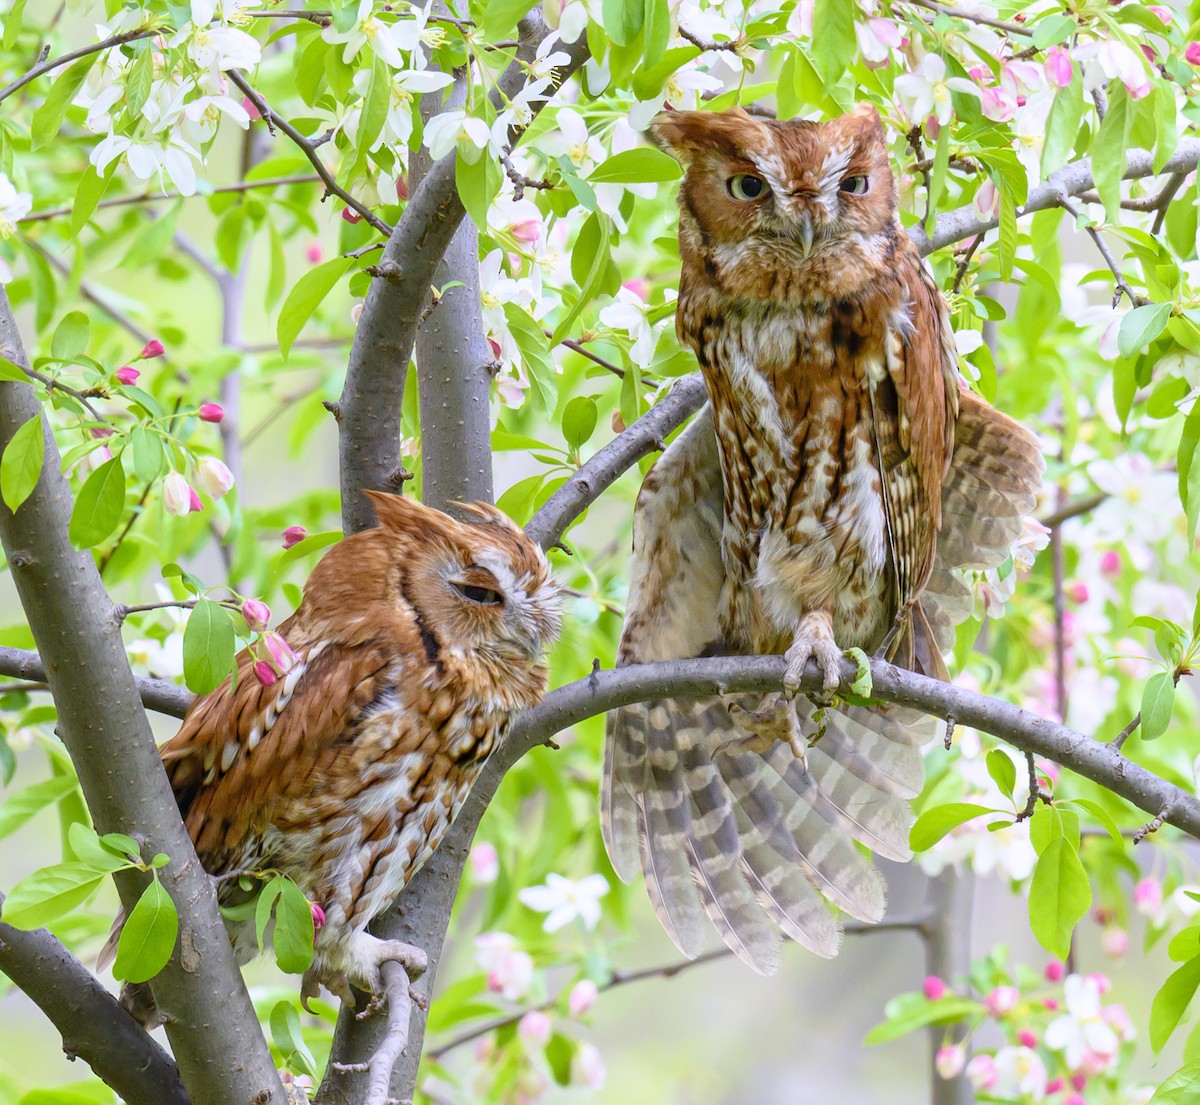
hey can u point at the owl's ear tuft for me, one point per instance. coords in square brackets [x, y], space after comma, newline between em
[408, 517]
[868, 115]
[684, 133]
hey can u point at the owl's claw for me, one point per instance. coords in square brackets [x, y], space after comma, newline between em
[813, 640]
[774, 720]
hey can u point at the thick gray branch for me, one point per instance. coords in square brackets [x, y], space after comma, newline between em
[369, 407]
[94, 1026]
[105, 730]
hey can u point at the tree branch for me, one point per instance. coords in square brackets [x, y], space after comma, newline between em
[105, 730]
[74, 55]
[369, 407]
[95, 1027]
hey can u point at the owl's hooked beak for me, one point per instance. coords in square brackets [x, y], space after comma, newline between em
[804, 233]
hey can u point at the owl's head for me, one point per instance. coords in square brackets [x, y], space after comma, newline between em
[479, 584]
[800, 188]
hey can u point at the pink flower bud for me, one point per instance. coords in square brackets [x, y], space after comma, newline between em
[177, 496]
[1055, 1085]
[1148, 896]
[214, 477]
[1054, 971]
[1078, 592]
[318, 914]
[257, 614]
[1110, 564]
[281, 652]
[152, 348]
[127, 374]
[981, 1071]
[582, 997]
[1192, 54]
[1078, 1082]
[293, 535]
[314, 252]
[1027, 1038]
[211, 412]
[494, 345]
[534, 1029]
[1058, 67]
[1102, 981]
[1050, 1004]
[101, 432]
[485, 863]
[587, 1067]
[529, 230]
[265, 673]
[934, 988]
[251, 110]
[401, 188]
[1114, 942]
[1002, 1001]
[350, 215]
[639, 285]
[950, 1061]
[194, 503]
[1163, 13]
[1073, 1099]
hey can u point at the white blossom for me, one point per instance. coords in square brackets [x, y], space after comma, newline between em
[1083, 1027]
[564, 900]
[14, 206]
[926, 90]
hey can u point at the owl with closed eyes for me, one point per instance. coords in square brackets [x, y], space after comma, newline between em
[833, 495]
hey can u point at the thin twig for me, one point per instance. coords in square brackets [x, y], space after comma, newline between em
[1072, 509]
[1127, 732]
[309, 148]
[83, 51]
[519, 180]
[1034, 791]
[54, 384]
[707, 45]
[1153, 825]
[577, 346]
[971, 17]
[321, 19]
[964, 262]
[1122, 286]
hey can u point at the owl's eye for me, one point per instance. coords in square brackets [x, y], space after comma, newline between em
[745, 186]
[485, 596]
[855, 185]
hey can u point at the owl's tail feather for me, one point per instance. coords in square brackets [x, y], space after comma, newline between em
[750, 838]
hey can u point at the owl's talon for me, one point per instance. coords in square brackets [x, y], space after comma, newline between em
[813, 641]
[773, 721]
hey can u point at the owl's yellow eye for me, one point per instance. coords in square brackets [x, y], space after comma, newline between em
[745, 186]
[855, 185]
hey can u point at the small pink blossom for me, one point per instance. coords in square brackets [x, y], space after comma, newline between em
[194, 503]
[987, 200]
[1078, 592]
[1114, 942]
[176, 494]
[1148, 896]
[257, 614]
[509, 970]
[318, 915]
[1078, 1082]
[534, 1029]
[582, 997]
[1192, 54]
[1073, 1099]
[640, 287]
[1163, 13]
[1027, 1038]
[265, 673]
[214, 477]
[934, 988]
[485, 863]
[1054, 971]
[152, 348]
[281, 652]
[587, 1067]
[293, 535]
[1002, 1001]
[401, 188]
[511, 390]
[1058, 67]
[1103, 982]
[1110, 564]
[528, 230]
[127, 375]
[211, 412]
[981, 1072]
[1055, 1085]
[1051, 1004]
[350, 215]
[950, 1061]
[998, 103]
[314, 253]
[250, 109]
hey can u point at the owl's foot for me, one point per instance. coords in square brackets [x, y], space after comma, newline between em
[361, 967]
[813, 641]
[774, 720]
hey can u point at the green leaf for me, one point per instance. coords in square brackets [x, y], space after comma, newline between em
[912, 1011]
[1188, 472]
[644, 165]
[375, 105]
[148, 938]
[935, 823]
[1008, 234]
[19, 807]
[99, 506]
[623, 20]
[1052, 30]
[1141, 326]
[48, 118]
[658, 31]
[834, 44]
[1108, 151]
[1182, 1088]
[535, 354]
[263, 907]
[1172, 1001]
[149, 458]
[1003, 771]
[591, 259]
[293, 936]
[1062, 124]
[91, 188]
[579, 420]
[208, 646]
[478, 184]
[288, 1037]
[1185, 944]
[314, 542]
[501, 17]
[71, 337]
[1059, 896]
[304, 298]
[21, 464]
[559, 1052]
[863, 682]
[47, 894]
[13, 372]
[1102, 816]
[1158, 703]
[12, 25]
[138, 81]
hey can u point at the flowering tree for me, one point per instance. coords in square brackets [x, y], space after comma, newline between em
[441, 232]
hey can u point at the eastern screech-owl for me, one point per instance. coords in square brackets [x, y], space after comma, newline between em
[417, 642]
[848, 484]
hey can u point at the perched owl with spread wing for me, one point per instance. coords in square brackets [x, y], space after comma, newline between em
[831, 496]
[417, 642]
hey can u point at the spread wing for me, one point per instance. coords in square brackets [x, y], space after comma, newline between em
[915, 405]
[241, 755]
